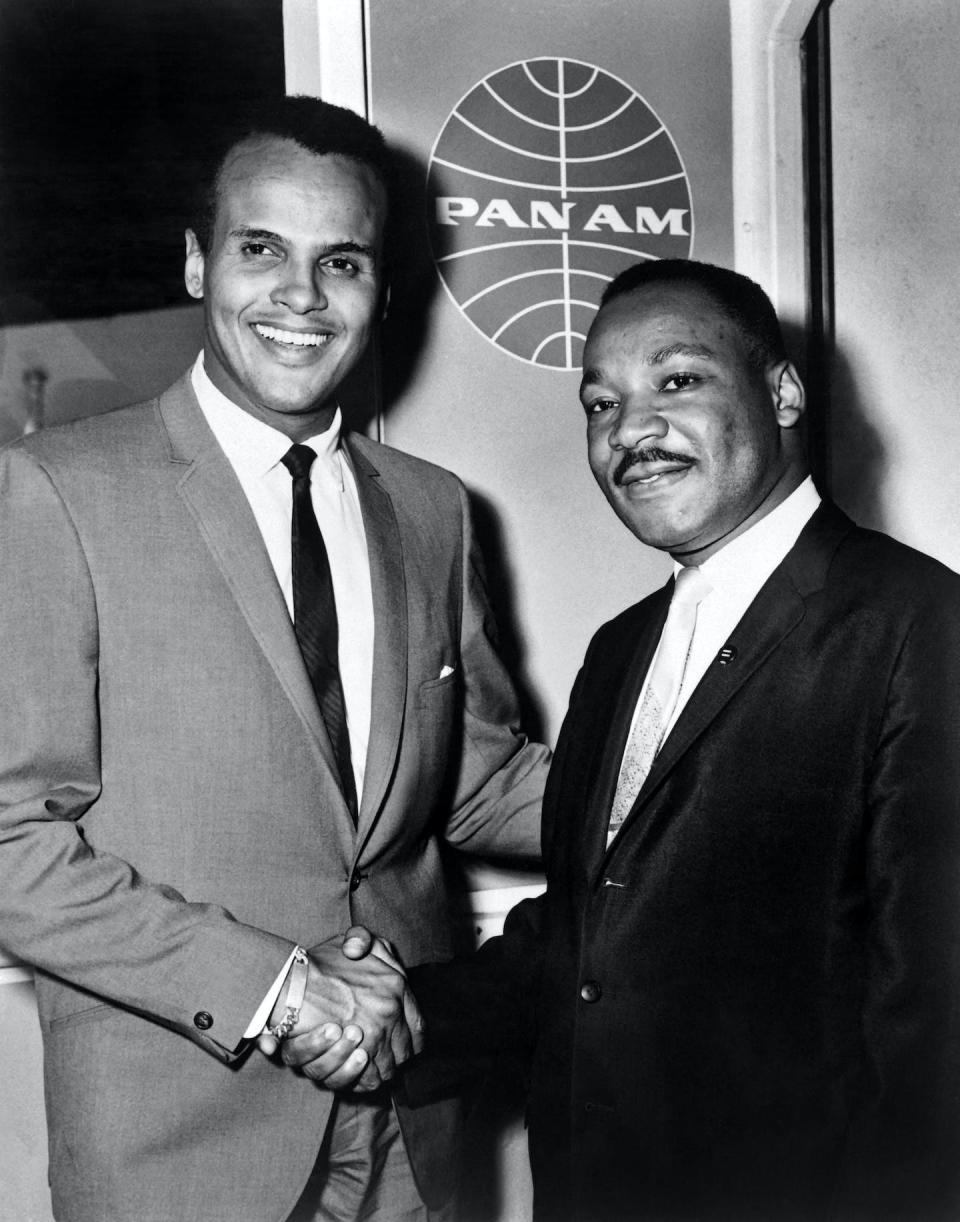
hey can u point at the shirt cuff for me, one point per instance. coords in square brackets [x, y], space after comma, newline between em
[265, 1009]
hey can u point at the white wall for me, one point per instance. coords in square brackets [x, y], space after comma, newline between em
[895, 435]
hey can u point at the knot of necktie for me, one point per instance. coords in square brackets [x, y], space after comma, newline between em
[690, 588]
[298, 460]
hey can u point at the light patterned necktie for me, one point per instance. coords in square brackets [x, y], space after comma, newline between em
[660, 694]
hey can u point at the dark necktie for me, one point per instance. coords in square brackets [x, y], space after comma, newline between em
[315, 615]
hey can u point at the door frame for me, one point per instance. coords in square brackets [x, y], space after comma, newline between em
[770, 215]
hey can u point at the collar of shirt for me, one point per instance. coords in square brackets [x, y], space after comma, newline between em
[742, 566]
[736, 573]
[251, 446]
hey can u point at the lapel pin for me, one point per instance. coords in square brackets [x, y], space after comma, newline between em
[726, 655]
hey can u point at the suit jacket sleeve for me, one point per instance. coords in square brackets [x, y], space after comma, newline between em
[79, 914]
[481, 1009]
[500, 779]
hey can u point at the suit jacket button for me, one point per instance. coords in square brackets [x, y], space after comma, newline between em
[356, 878]
[590, 991]
[202, 1020]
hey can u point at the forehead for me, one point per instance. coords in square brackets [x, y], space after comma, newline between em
[271, 179]
[646, 323]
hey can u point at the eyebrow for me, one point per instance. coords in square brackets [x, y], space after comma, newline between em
[659, 357]
[265, 235]
[350, 248]
[662, 355]
[332, 248]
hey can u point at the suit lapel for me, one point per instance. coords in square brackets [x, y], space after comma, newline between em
[771, 617]
[214, 497]
[621, 668]
[385, 552]
[773, 614]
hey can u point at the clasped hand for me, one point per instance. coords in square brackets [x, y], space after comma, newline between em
[358, 1020]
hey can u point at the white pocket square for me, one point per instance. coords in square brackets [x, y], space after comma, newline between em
[446, 670]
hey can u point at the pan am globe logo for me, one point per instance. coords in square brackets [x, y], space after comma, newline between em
[549, 177]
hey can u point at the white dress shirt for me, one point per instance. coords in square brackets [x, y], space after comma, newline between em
[736, 573]
[254, 451]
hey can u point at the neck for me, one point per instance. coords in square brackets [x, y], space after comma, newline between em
[775, 495]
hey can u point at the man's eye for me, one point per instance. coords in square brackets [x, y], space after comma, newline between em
[596, 406]
[679, 381]
[342, 266]
[256, 249]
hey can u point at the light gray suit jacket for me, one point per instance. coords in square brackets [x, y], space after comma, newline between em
[170, 819]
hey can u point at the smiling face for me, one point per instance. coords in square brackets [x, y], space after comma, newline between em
[292, 282]
[690, 443]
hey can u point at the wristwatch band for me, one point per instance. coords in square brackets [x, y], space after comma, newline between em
[296, 990]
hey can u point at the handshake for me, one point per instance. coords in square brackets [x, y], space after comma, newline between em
[358, 1020]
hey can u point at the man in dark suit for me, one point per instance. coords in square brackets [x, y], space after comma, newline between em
[249, 686]
[740, 993]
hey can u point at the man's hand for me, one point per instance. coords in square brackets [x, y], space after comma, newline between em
[358, 1020]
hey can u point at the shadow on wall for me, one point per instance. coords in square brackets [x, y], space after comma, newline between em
[413, 277]
[858, 459]
[501, 589]
[847, 452]
[414, 285]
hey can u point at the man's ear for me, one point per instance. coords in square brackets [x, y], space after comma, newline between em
[787, 393]
[193, 266]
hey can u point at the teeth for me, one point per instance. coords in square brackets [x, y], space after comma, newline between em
[648, 479]
[295, 339]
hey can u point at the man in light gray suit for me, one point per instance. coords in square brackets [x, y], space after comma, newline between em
[200, 788]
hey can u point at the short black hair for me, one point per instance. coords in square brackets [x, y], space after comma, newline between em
[318, 126]
[737, 297]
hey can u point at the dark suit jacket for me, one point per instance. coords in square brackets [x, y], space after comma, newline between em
[748, 1009]
[170, 818]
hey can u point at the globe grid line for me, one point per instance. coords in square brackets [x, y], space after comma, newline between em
[567, 319]
[539, 305]
[558, 92]
[552, 127]
[540, 271]
[620, 152]
[514, 148]
[549, 340]
[611, 246]
[564, 243]
[562, 133]
[547, 186]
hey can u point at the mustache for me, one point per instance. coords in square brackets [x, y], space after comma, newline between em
[648, 454]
